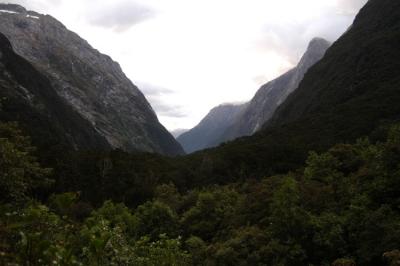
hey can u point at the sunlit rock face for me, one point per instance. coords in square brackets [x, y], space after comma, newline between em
[91, 82]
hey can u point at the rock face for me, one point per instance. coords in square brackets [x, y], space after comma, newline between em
[28, 97]
[210, 128]
[92, 83]
[271, 95]
[225, 123]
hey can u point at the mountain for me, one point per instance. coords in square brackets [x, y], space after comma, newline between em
[274, 93]
[225, 123]
[353, 91]
[92, 83]
[210, 128]
[358, 82]
[27, 96]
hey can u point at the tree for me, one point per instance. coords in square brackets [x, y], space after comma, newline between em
[20, 173]
[155, 219]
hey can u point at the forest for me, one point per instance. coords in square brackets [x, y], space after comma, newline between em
[341, 207]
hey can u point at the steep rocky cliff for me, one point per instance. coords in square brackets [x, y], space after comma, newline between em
[210, 128]
[92, 83]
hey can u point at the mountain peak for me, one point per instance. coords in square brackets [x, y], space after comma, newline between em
[315, 51]
[318, 41]
[318, 44]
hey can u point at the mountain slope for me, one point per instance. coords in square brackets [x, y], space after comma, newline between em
[28, 98]
[223, 124]
[350, 93]
[274, 93]
[210, 128]
[89, 81]
[357, 83]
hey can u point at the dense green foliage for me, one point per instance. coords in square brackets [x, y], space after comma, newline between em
[344, 203]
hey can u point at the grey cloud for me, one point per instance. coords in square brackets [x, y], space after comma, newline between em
[155, 95]
[120, 16]
[166, 109]
[152, 90]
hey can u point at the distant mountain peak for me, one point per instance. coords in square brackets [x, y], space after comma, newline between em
[315, 50]
[317, 42]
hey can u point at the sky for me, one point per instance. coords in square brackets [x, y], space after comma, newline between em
[188, 56]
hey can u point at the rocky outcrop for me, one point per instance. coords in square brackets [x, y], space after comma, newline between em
[210, 128]
[92, 83]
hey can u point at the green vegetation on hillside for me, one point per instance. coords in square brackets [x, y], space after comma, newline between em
[344, 203]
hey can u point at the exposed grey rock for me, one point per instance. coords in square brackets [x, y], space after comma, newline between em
[26, 96]
[89, 81]
[210, 128]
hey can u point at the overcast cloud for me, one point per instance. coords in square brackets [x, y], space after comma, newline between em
[119, 16]
[188, 56]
